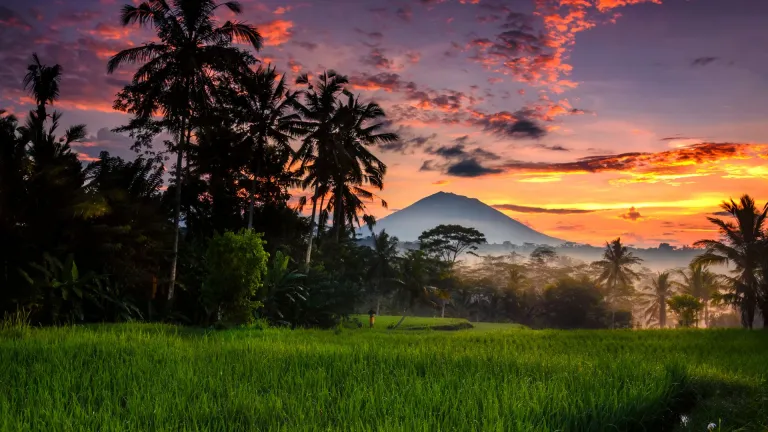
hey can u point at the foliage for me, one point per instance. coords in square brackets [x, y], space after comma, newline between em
[655, 297]
[742, 245]
[571, 303]
[282, 288]
[448, 242]
[616, 273]
[687, 308]
[236, 264]
[249, 379]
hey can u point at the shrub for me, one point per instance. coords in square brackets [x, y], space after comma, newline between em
[687, 308]
[235, 265]
[570, 303]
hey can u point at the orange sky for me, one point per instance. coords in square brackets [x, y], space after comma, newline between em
[585, 119]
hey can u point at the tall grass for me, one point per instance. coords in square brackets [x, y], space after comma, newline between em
[162, 378]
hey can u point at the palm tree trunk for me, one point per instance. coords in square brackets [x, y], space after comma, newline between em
[706, 313]
[338, 215]
[177, 208]
[321, 222]
[378, 304]
[252, 193]
[308, 255]
[663, 313]
[442, 311]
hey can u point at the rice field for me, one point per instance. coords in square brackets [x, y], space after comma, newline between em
[140, 377]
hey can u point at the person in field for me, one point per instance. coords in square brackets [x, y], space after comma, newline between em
[372, 317]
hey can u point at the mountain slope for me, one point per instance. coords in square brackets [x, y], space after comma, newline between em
[447, 208]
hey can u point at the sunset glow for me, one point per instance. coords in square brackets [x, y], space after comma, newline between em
[637, 143]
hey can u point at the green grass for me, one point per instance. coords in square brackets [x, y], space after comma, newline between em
[383, 322]
[163, 378]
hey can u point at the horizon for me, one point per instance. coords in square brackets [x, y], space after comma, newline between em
[622, 141]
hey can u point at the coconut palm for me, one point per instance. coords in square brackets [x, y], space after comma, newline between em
[657, 292]
[616, 272]
[42, 83]
[740, 245]
[700, 282]
[178, 74]
[382, 271]
[360, 127]
[271, 120]
[316, 152]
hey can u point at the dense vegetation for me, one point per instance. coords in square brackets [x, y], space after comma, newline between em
[218, 237]
[156, 377]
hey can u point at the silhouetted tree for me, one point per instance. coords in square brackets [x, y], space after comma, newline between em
[657, 292]
[741, 246]
[447, 242]
[176, 76]
[616, 272]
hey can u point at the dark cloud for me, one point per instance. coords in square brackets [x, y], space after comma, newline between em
[558, 148]
[377, 59]
[376, 36]
[632, 215]
[514, 128]
[405, 13]
[703, 61]
[9, 18]
[526, 209]
[460, 151]
[470, 168]
[405, 144]
[560, 227]
[721, 213]
[676, 138]
[310, 46]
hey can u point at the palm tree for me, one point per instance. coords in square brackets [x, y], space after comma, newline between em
[271, 120]
[319, 114]
[701, 283]
[660, 289]
[360, 127]
[177, 75]
[382, 272]
[616, 272]
[42, 82]
[741, 246]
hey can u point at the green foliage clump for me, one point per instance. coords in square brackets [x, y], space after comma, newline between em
[687, 308]
[235, 264]
[572, 303]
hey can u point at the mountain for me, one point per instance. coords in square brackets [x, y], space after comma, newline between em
[447, 208]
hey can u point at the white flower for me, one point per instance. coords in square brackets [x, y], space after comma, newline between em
[684, 420]
[711, 426]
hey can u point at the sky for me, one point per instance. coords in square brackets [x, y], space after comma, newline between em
[584, 119]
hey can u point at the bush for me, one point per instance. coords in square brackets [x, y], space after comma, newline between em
[570, 303]
[235, 265]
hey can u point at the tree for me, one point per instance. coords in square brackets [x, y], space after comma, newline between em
[447, 242]
[42, 82]
[570, 303]
[270, 119]
[687, 308]
[660, 289]
[382, 271]
[236, 265]
[360, 126]
[177, 75]
[740, 245]
[616, 272]
[701, 283]
[319, 145]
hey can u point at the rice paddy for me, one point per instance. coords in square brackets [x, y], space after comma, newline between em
[141, 377]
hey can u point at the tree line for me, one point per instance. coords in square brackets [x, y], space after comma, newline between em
[219, 242]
